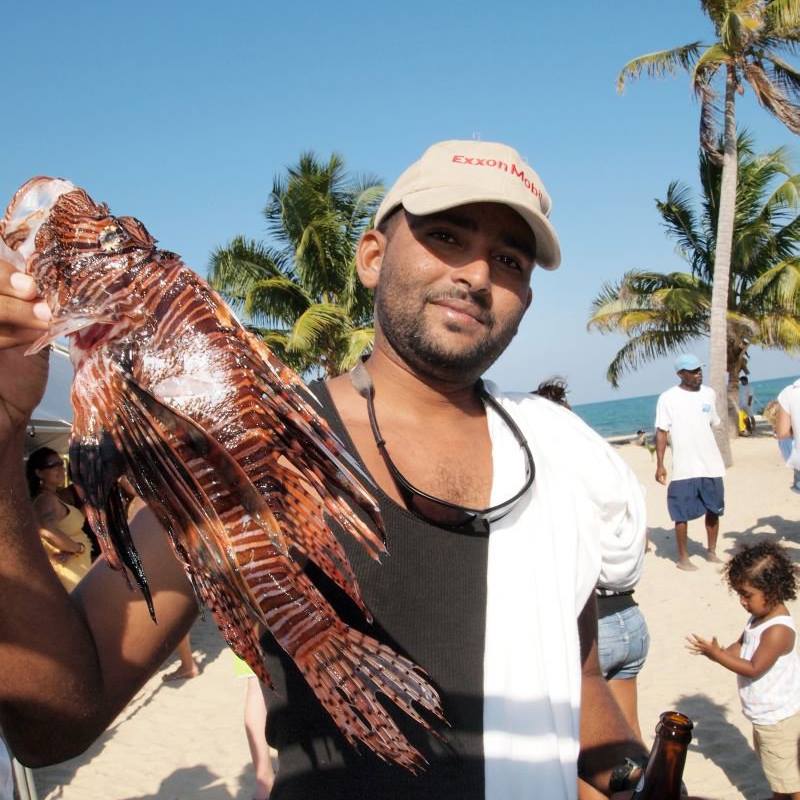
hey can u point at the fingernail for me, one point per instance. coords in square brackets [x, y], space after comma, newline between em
[42, 311]
[21, 282]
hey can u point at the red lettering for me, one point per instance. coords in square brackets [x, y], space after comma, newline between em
[502, 165]
[491, 162]
[527, 183]
[520, 173]
[458, 160]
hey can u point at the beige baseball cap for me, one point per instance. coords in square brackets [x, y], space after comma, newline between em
[456, 172]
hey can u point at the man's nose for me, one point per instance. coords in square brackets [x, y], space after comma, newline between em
[475, 272]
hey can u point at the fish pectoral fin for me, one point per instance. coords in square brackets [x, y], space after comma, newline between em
[65, 325]
[96, 465]
[227, 470]
[167, 484]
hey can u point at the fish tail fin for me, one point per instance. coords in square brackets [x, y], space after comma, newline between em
[347, 669]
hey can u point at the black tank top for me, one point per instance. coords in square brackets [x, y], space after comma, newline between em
[428, 598]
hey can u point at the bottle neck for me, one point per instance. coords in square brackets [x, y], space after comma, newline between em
[662, 776]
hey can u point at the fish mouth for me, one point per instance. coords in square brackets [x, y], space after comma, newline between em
[26, 213]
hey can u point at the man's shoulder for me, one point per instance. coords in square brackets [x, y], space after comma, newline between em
[547, 420]
[668, 394]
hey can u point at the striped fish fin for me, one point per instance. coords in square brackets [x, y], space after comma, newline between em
[161, 477]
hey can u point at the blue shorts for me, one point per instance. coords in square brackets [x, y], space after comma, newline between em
[622, 643]
[693, 497]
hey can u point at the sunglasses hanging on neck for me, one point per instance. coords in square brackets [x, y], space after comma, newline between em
[433, 509]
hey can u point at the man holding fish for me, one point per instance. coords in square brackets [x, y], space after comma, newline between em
[496, 533]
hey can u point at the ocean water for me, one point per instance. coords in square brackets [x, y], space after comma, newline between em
[622, 417]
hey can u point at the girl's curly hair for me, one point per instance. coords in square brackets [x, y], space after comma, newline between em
[765, 566]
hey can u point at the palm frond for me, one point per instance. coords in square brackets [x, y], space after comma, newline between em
[659, 64]
[784, 75]
[782, 16]
[716, 10]
[741, 24]
[781, 283]
[277, 299]
[317, 323]
[779, 331]
[771, 97]
[644, 348]
[681, 225]
[357, 343]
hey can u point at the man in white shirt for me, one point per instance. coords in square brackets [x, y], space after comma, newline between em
[687, 413]
[788, 425]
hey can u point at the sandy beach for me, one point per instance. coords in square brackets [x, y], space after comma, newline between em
[186, 739]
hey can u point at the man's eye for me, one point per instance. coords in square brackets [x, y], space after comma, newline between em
[444, 236]
[510, 262]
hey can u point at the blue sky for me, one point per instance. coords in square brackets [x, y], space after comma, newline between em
[181, 113]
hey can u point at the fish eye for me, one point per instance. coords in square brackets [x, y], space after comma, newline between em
[111, 239]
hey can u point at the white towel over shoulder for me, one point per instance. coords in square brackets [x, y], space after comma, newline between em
[582, 522]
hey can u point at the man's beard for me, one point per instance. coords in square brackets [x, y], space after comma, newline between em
[404, 328]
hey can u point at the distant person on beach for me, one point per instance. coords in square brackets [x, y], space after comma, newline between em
[788, 425]
[785, 443]
[747, 423]
[765, 660]
[60, 524]
[686, 414]
[554, 389]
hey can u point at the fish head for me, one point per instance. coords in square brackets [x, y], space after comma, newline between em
[82, 258]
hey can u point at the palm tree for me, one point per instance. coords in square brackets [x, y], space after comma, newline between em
[302, 294]
[662, 313]
[750, 38]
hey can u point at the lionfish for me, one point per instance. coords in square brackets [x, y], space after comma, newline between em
[221, 440]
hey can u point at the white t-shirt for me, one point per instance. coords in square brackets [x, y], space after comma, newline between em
[776, 694]
[688, 416]
[789, 401]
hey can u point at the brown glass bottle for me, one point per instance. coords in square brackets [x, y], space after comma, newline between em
[662, 775]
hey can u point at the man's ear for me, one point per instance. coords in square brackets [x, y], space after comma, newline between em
[530, 299]
[369, 257]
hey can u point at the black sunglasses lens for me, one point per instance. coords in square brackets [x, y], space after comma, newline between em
[441, 514]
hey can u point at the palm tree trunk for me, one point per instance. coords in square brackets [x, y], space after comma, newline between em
[722, 268]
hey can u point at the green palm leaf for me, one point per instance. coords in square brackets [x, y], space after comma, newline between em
[662, 312]
[316, 324]
[302, 291]
[659, 64]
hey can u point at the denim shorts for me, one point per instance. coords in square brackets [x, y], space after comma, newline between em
[690, 498]
[622, 642]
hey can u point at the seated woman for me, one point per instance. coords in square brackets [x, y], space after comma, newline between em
[60, 523]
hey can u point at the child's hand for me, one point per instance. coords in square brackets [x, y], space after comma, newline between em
[702, 647]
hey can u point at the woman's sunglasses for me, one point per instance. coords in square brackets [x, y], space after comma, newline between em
[432, 509]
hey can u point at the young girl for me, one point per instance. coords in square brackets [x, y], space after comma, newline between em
[765, 661]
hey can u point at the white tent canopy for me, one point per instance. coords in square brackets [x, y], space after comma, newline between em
[51, 420]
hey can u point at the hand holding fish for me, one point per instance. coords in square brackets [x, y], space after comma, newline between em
[23, 318]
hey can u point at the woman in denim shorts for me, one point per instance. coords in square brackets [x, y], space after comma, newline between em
[622, 642]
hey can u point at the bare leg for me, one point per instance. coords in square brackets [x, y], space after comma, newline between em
[626, 695]
[712, 531]
[255, 725]
[588, 792]
[188, 667]
[682, 539]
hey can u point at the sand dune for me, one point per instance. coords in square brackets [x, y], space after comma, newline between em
[187, 740]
